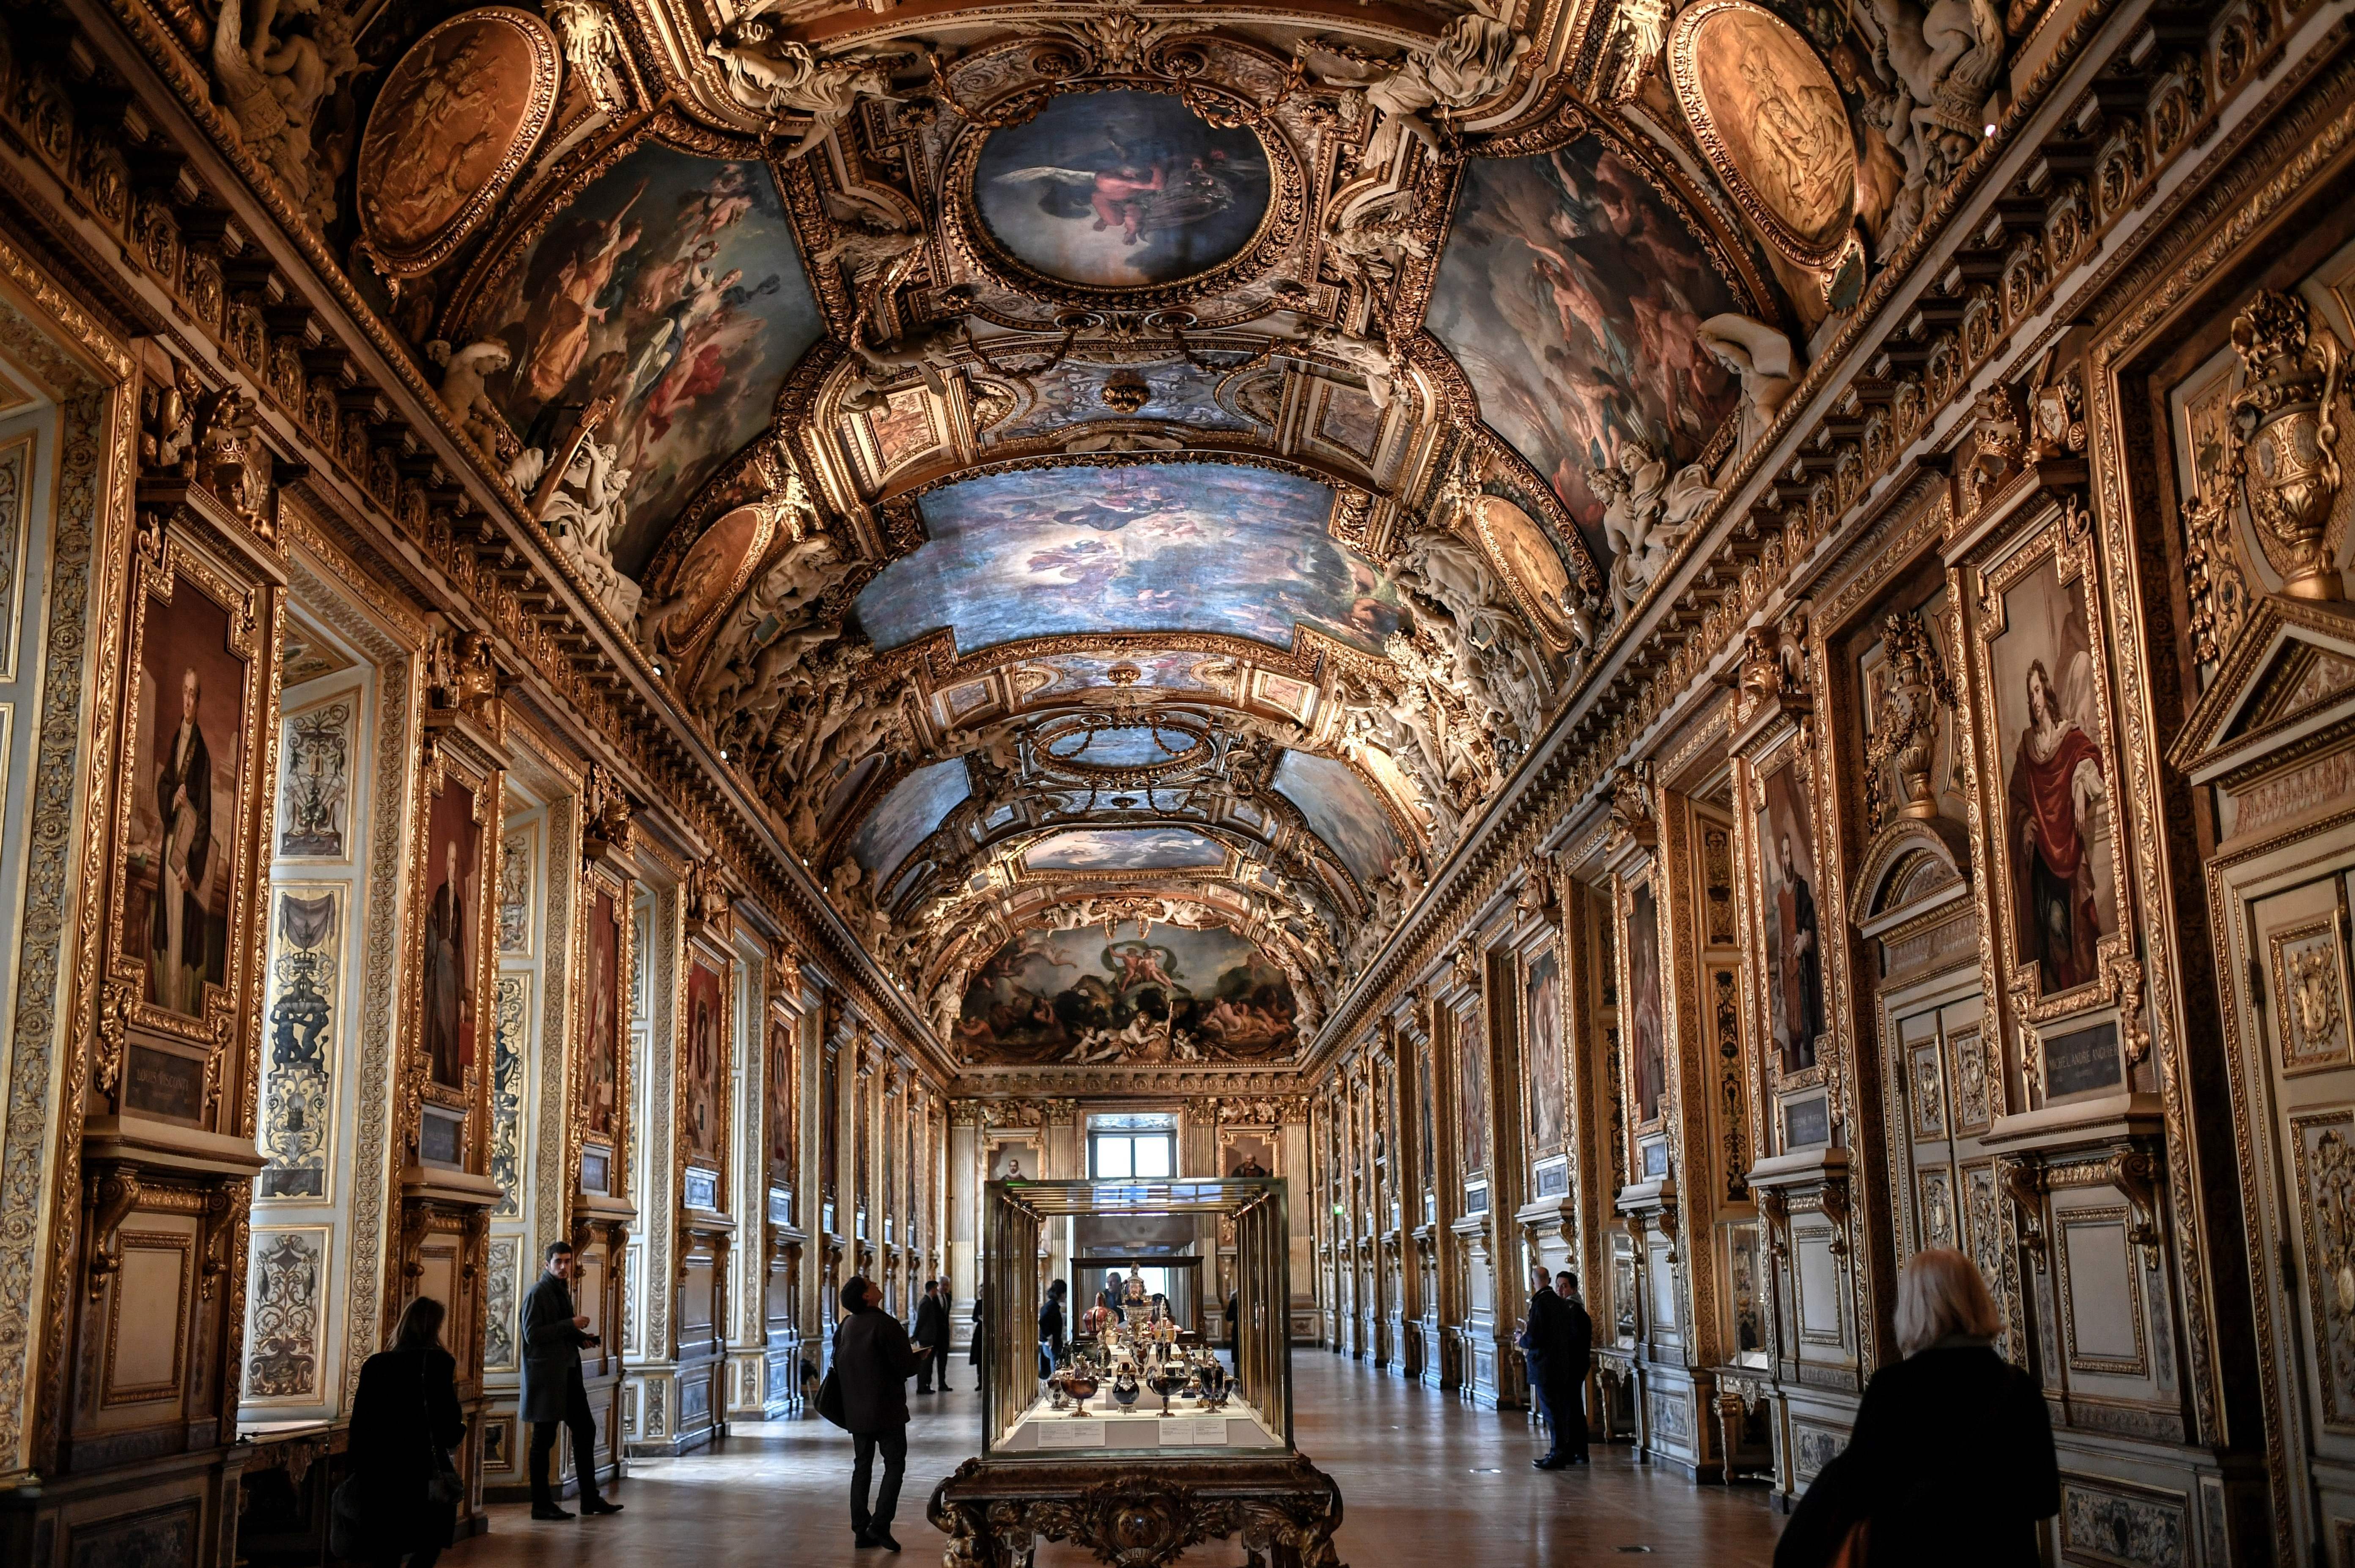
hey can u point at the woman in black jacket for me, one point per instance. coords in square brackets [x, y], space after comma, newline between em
[1951, 1462]
[405, 1420]
[1050, 1329]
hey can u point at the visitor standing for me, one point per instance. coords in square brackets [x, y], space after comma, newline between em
[1050, 1329]
[933, 1334]
[1555, 1343]
[873, 1361]
[553, 1395]
[403, 1496]
[1951, 1461]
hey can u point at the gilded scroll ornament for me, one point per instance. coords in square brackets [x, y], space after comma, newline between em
[2284, 434]
[457, 117]
[1768, 117]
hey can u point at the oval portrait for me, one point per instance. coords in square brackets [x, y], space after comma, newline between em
[1120, 189]
[1517, 545]
[1767, 115]
[450, 132]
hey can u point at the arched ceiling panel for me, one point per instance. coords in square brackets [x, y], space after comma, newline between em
[1034, 552]
[671, 291]
[1571, 294]
[1343, 811]
[1125, 850]
[907, 816]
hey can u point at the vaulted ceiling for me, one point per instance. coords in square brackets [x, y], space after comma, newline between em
[1126, 482]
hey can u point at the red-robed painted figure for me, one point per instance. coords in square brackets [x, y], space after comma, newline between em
[2055, 780]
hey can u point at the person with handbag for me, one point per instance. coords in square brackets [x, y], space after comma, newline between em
[553, 1395]
[1951, 1463]
[872, 1363]
[400, 1499]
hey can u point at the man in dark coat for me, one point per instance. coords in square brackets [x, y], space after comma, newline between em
[873, 1361]
[1556, 1342]
[553, 1394]
[933, 1334]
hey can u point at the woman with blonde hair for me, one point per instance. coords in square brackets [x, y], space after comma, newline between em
[1951, 1461]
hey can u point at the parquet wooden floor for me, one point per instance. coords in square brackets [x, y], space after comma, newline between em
[1426, 1482]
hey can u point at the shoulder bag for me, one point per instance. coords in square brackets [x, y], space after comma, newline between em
[829, 1392]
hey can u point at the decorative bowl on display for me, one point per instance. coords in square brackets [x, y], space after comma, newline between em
[1081, 1387]
[1165, 1382]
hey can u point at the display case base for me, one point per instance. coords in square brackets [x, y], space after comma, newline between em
[1138, 1513]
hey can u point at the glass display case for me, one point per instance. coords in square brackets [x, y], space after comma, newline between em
[1146, 1438]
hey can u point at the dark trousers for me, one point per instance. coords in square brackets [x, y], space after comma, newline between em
[893, 1441]
[584, 1447]
[1563, 1405]
[928, 1366]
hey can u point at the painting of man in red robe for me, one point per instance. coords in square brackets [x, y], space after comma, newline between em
[2057, 786]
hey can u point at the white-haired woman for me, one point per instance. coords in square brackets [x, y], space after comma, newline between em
[1951, 1461]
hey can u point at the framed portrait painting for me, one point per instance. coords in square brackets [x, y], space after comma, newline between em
[454, 907]
[197, 691]
[1247, 1154]
[1017, 1159]
[781, 1080]
[1541, 1025]
[2058, 845]
[1646, 1020]
[702, 1063]
[602, 1073]
[1793, 931]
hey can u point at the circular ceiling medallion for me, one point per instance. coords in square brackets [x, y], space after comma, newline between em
[1769, 119]
[1121, 190]
[450, 132]
[1532, 567]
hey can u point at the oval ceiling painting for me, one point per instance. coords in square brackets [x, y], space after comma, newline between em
[449, 131]
[1122, 190]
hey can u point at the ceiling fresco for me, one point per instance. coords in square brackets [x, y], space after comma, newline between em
[672, 292]
[1573, 297]
[1149, 547]
[1125, 464]
[1167, 995]
[1125, 850]
[1121, 188]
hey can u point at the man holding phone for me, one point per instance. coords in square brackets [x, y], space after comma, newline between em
[553, 1395]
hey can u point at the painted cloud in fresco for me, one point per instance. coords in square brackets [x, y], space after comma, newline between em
[1571, 294]
[1173, 995]
[1125, 850]
[1073, 394]
[1151, 547]
[1342, 811]
[671, 285]
[909, 812]
[1067, 673]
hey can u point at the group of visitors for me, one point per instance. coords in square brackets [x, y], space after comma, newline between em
[1951, 1460]
[401, 1498]
[1950, 1464]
